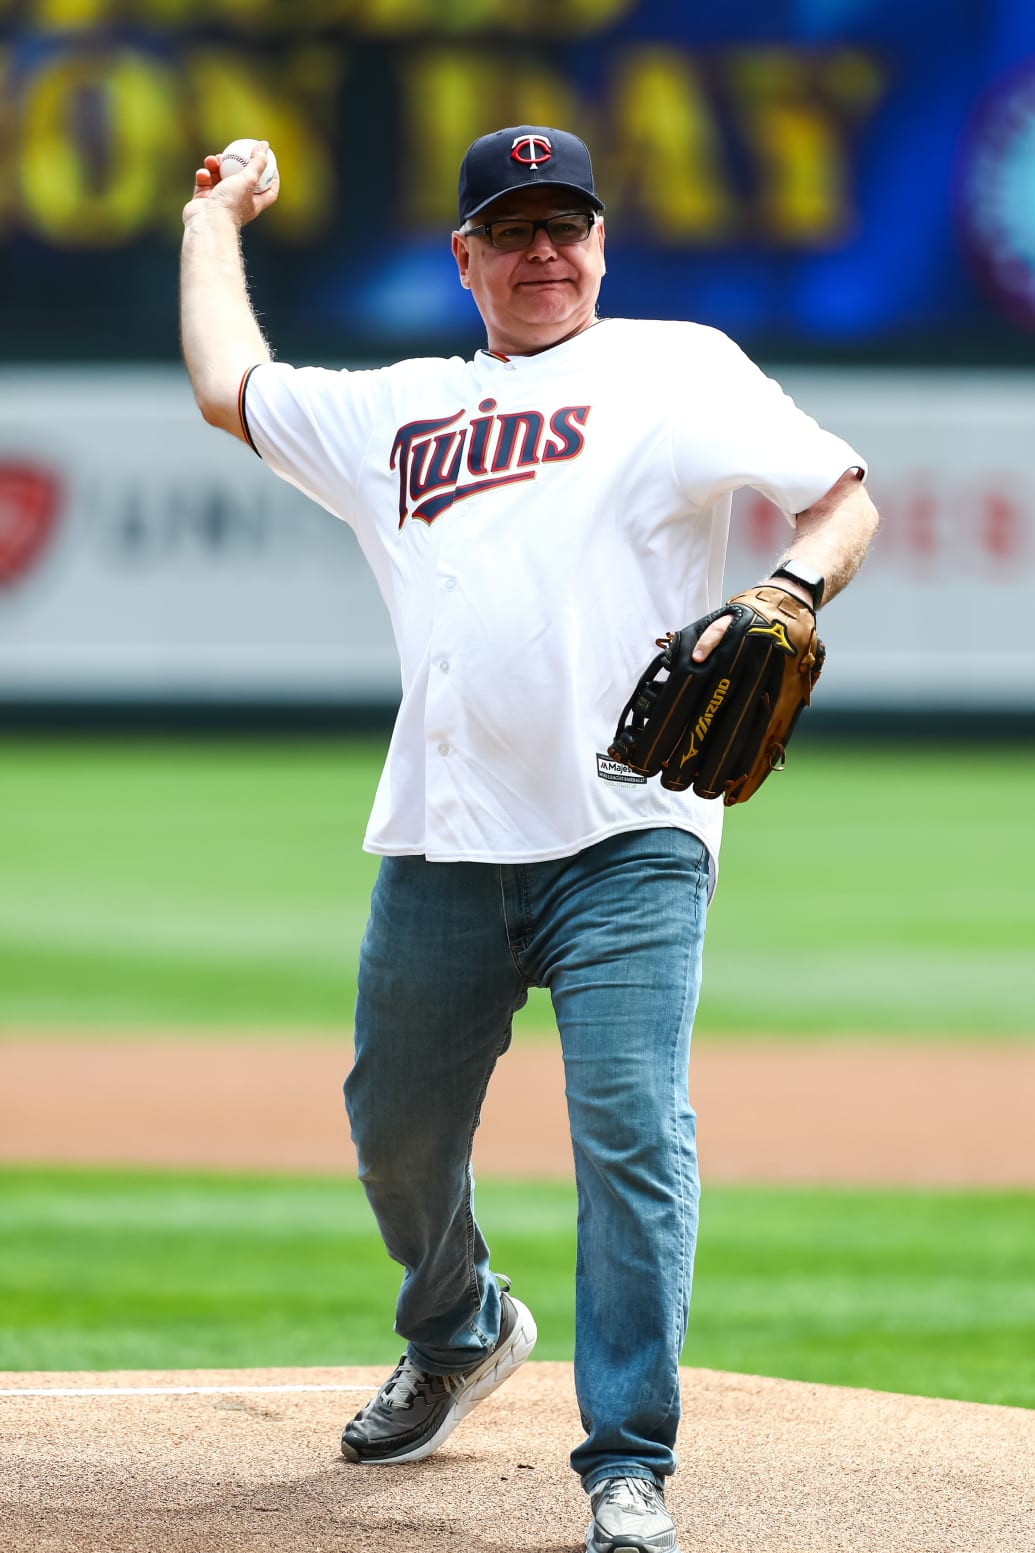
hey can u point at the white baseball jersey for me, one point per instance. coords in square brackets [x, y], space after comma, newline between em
[533, 524]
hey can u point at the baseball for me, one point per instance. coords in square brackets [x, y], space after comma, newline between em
[232, 161]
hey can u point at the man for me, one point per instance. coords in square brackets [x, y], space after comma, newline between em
[534, 518]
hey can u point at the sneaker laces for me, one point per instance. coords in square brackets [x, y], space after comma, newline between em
[631, 1493]
[401, 1386]
[407, 1380]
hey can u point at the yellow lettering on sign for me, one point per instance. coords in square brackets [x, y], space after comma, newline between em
[795, 111]
[98, 143]
[234, 98]
[7, 143]
[668, 163]
[536, 18]
[567, 18]
[390, 16]
[452, 96]
[105, 143]
[93, 128]
[64, 15]
[372, 18]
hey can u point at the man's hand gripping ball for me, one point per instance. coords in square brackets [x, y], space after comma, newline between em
[722, 725]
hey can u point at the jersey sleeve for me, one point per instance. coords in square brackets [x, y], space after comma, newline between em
[737, 427]
[311, 426]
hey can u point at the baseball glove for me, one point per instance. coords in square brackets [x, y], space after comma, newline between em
[721, 726]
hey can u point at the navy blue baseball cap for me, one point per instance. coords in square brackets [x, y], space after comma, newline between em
[522, 157]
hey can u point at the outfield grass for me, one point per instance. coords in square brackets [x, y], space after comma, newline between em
[200, 885]
[897, 1291]
[184, 884]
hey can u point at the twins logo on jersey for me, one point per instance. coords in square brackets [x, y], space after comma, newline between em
[436, 457]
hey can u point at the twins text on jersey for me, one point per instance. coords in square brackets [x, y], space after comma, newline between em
[435, 457]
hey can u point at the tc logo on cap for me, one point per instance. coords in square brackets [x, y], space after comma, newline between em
[530, 150]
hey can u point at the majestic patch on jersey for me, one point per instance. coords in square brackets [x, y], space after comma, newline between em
[609, 770]
[530, 150]
[434, 457]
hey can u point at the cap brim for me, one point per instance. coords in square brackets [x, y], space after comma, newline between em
[537, 183]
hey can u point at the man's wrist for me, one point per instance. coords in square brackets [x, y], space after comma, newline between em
[803, 581]
[792, 587]
[206, 215]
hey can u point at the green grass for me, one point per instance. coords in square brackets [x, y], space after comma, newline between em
[200, 885]
[163, 883]
[879, 894]
[897, 1291]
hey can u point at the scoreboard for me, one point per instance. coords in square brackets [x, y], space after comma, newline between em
[827, 180]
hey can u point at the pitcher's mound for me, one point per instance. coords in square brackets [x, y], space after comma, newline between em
[247, 1462]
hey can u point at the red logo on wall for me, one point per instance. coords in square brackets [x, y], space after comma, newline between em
[28, 513]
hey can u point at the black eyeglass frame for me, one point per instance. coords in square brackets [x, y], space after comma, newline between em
[485, 230]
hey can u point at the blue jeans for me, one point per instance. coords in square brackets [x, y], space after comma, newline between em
[615, 933]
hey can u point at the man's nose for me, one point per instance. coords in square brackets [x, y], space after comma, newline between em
[542, 246]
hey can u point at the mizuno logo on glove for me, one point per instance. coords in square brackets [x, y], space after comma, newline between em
[777, 630]
[704, 722]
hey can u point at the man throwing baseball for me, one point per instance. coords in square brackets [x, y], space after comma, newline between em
[534, 517]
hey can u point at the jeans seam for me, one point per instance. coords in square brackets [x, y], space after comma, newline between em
[472, 1271]
[693, 938]
[515, 945]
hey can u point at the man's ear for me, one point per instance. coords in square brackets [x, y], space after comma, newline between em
[462, 255]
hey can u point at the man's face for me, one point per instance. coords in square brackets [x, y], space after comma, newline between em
[539, 295]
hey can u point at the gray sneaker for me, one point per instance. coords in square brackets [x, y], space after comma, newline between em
[414, 1412]
[629, 1516]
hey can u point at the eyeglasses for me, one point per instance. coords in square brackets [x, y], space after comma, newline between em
[573, 226]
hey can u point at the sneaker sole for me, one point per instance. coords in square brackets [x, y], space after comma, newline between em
[637, 1545]
[482, 1382]
[623, 1547]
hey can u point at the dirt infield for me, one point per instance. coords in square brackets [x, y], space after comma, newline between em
[934, 1115]
[766, 1465]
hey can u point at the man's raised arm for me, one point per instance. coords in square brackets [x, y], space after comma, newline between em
[219, 333]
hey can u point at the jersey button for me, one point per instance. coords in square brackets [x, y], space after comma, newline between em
[450, 584]
[444, 665]
[443, 749]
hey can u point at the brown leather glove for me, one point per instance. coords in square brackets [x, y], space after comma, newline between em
[721, 726]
